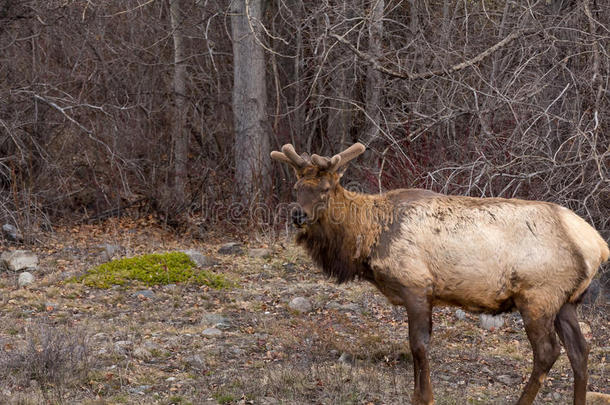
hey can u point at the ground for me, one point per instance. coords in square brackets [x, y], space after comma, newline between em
[107, 346]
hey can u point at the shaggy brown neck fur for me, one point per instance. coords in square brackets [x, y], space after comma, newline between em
[341, 240]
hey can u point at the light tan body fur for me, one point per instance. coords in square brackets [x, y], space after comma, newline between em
[480, 252]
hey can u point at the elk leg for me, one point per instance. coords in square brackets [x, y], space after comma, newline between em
[546, 350]
[577, 348]
[419, 311]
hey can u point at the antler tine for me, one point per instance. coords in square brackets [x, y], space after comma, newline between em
[279, 156]
[321, 161]
[326, 163]
[291, 154]
[348, 154]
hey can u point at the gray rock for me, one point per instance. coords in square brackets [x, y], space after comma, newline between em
[108, 251]
[144, 293]
[200, 259]
[213, 318]
[460, 314]
[289, 267]
[300, 304]
[333, 305]
[11, 233]
[346, 358]
[491, 322]
[259, 253]
[140, 389]
[507, 379]
[142, 353]
[195, 362]
[19, 260]
[25, 278]
[584, 328]
[100, 337]
[351, 307]
[211, 332]
[123, 346]
[486, 370]
[152, 347]
[231, 248]
[223, 325]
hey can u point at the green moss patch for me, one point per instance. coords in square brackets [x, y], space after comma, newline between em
[151, 269]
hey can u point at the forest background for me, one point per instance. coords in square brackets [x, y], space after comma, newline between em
[171, 107]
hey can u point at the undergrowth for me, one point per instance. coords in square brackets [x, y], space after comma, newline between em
[151, 269]
[55, 358]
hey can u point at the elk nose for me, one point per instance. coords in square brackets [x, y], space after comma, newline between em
[299, 217]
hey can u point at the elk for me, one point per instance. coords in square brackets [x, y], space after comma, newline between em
[422, 249]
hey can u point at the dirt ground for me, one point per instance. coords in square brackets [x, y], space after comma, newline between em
[116, 346]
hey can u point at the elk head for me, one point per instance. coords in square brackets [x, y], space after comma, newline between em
[317, 179]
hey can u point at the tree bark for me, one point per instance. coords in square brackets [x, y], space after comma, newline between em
[342, 84]
[180, 137]
[252, 162]
[373, 76]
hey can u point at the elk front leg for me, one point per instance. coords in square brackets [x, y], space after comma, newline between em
[419, 311]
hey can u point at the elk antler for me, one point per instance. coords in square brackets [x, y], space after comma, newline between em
[325, 163]
[290, 156]
[341, 159]
[350, 153]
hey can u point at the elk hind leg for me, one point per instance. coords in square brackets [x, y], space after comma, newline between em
[568, 329]
[419, 311]
[546, 350]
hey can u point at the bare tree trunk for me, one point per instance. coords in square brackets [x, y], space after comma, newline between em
[252, 162]
[342, 88]
[180, 137]
[373, 76]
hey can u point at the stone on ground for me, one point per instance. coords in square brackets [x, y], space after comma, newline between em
[231, 248]
[300, 304]
[108, 251]
[491, 322]
[257, 253]
[19, 260]
[196, 362]
[144, 294]
[11, 233]
[25, 278]
[211, 332]
[199, 259]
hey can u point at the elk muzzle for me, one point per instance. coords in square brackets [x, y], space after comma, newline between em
[299, 217]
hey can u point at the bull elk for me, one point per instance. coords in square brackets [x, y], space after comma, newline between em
[422, 249]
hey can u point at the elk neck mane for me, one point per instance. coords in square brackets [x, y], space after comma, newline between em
[343, 237]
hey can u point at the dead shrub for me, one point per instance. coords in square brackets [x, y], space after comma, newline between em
[51, 358]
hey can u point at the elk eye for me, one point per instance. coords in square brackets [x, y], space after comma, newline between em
[326, 189]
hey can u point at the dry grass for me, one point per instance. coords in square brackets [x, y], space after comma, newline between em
[69, 343]
[48, 359]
